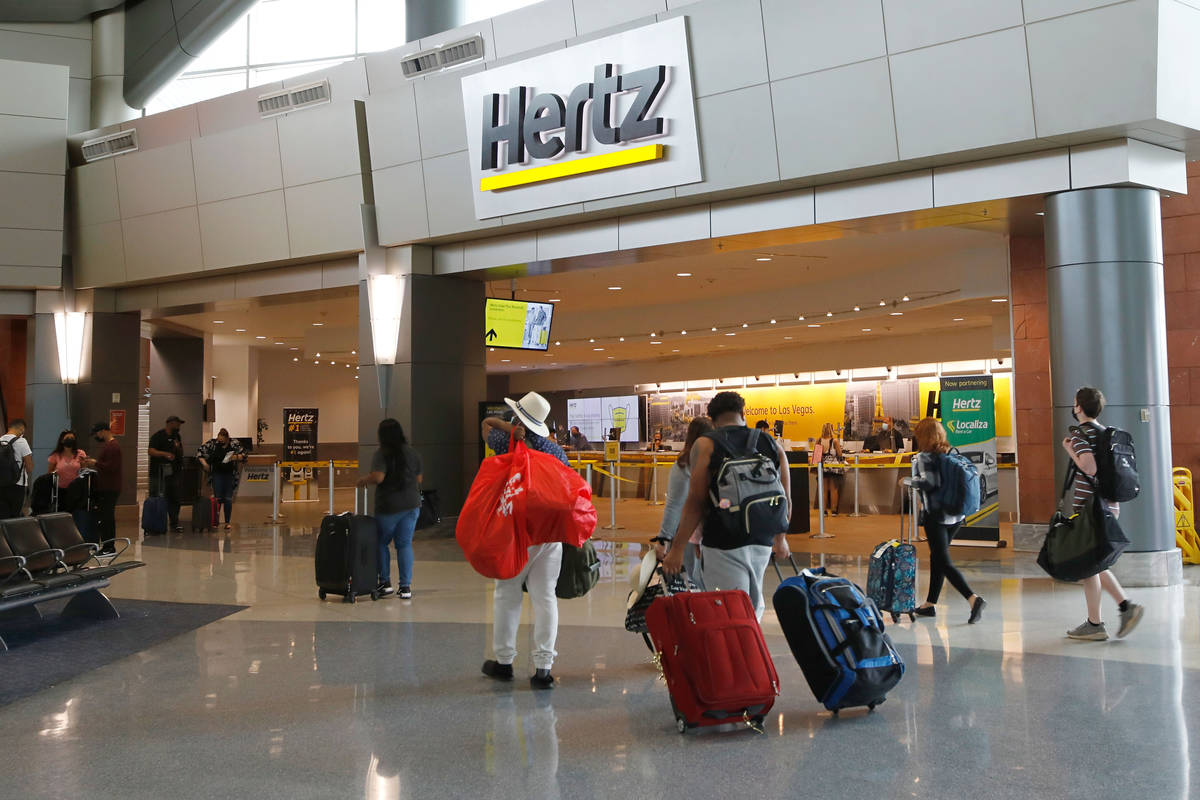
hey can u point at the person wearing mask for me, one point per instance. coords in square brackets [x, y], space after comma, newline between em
[166, 459]
[1081, 448]
[829, 454]
[396, 474]
[730, 561]
[577, 441]
[220, 458]
[677, 492]
[67, 459]
[939, 527]
[106, 487]
[540, 575]
[16, 465]
[886, 440]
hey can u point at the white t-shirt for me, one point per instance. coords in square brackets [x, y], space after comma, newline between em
[20, 450]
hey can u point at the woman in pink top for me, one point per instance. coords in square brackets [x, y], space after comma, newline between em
[67, 459]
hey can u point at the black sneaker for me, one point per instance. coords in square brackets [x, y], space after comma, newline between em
[494, 669]
[542, 679]
[926, 611]
[976, 610]
[178, 529]
[405, 593]
[385, 589]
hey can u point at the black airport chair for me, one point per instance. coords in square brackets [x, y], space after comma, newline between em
[78, 555]
[25, 538]
[15, 580]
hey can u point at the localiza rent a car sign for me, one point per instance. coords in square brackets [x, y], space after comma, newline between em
[600, 119]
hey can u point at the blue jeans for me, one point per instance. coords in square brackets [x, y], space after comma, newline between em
[397, 528]
[222, 486]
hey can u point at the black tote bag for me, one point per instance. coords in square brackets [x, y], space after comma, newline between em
[1084, 544]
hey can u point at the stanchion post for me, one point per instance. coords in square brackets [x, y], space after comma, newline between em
[856, 471]
[275, 490]
[821, 534]
[331, 487]
[654, 482]
[613, 484]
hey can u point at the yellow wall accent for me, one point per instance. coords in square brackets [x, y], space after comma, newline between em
[578, 166]
[803, 409]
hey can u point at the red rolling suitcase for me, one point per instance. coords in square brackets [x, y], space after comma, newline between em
[712, 654]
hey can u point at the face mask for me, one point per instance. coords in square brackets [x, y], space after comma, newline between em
[1074, 416]
[68, 442]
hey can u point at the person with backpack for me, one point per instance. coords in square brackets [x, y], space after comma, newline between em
[740, 491]
[1091, 448]
[16, 465]
[940, 523]
[677, 492]
[396, 472]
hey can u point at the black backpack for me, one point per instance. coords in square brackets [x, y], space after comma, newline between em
[1116, 463]
[10, 469]
[746, 489]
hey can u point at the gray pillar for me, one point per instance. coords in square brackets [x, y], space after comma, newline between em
[428, 17]
[177, 381]
[1108, 329]
[108, 70]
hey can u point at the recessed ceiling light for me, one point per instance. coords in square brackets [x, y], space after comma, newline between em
[614, 288]
[866, 330]
[279, 343]
[622, 338]
[714, 328]
[763, 258]
[333, 362]
[882, 303]
[656, 343]
[240, 330]
[829, 313]
[558, 344]
[295, 359]
[801, 318]
[316, 362]
[683, 333]
[999, 299]
[904, 299]
[353, 352]
[293, 348]
[813, 325]
[856, 308]
[591, 341]
[597, 349]
[958, 319]
[745, 324]
[772, 322]
[318, 355]
[555, 299]
[897, 314]
[347, 366]
[1040, 213]
[731, 334]
[683, 274]
[318, 324]
[675, 350]
[505, 360]
[218, 322]
[260, 337]
[653, 334]
[355, 377]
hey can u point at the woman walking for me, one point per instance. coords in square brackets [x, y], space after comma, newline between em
[220, 458]
[677, 492]
[829, 455]
[396, 472]
[939, 527]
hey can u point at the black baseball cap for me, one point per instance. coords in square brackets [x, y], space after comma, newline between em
[174, 418]
[100, 426]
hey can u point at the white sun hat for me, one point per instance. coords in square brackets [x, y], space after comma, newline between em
[532, 410]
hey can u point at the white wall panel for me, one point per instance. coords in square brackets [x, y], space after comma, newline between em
[28, 200]
[99, 255]
[384, 70]
[168, 127]
[237, 162]
[325, 217]
[834, 120]
[79, 105]
[31, 277]
[343, 272]
[1094, 69]
[481, 27]
[156, 180]
[245, 230]
[76, 54]
[347, 81]
[162, 245]
[783, 210]
[1039, 173]
[1179, 64]
[962, 95]
[303, 278]
[533, 26]
[728, 47]
[34, 248]
[448, 196]
[734, 153]
[447, 259]
[591, 17]
[440, 113]
[33, 144]
[920, 23]
[1126, 161]
[319, 143]
[664, 227]
[873, 197]
[392, 128]
[94, 192]
[1036, 10]
[809, 35]
[577, 240]
[232, 110]
[400, 204]
[501, 251]
[36, 90]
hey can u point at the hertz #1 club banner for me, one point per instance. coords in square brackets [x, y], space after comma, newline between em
[968, 410]
[300, 434]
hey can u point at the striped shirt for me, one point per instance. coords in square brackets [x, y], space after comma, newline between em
[1081, 490]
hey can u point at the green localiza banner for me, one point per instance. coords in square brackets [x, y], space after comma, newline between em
[968, 411]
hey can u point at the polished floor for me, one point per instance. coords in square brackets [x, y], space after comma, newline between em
[297, 698]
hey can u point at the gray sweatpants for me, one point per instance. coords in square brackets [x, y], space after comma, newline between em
[743, 568]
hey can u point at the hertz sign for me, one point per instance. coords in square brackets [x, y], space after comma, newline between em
[626, 124]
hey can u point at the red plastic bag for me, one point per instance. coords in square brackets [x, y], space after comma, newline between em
[558, 502]
[491, 529]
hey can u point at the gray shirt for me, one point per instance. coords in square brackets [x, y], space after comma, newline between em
[678, 485]
[400, 490]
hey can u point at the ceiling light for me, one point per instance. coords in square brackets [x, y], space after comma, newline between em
[505, 360]
[614, 288]
[293, 348]
[683, 274]
[622, 338]
[813, 325]
[653, 334]
[610, 358]
[333, 362]
[318, 355]
[958, 319]
[882, 303]
[763, 258]
[999, 299]
[904, 299]
[295, 359]
[347, 366]
[591, 341]
[558, 344]
[683, 333]
[318, 324]
[745, 324]
[1040, 213]
[801, 318]
[714, 328]
[788, 338]
[279, 343]
[731, 334]
[897, 314]
[492, 349]
[218, 322]
[355, 377]
[353, 352]
[829, 313]
[866, 330]
[316, 362]
[856, 308]
[772, 322]
[555, 299]
[656, 343]
[597, 349]
[260, 337]
[675, 350]
[240, 330]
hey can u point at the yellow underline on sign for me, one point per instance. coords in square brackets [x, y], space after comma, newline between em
[578, 166]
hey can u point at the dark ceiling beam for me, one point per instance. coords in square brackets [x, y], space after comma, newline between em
[52, 10]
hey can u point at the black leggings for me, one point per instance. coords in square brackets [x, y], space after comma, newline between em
[940, 566]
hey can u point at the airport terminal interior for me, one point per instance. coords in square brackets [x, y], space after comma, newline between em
[245, 233]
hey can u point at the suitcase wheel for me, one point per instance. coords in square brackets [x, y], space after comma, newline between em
[374, 595]
[895, 618]
[681, 724]
[349, 598]
[912, 616]
[871, 707]
[321, 593]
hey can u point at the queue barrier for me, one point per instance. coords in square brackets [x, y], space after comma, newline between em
[304, 468]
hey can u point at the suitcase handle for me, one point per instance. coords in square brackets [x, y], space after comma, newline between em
[666, 586]
[364, 501]
[791, 560]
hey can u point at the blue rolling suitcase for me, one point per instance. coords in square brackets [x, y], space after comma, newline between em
[892, 579]
[836, 634]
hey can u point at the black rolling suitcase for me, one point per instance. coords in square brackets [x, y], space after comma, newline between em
[347, 555]
[204, 514]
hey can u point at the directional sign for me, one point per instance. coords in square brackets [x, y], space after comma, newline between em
[517, 325]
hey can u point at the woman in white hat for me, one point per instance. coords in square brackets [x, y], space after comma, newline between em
[540, 575]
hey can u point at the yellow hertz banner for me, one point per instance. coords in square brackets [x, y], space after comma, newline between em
[803, 409]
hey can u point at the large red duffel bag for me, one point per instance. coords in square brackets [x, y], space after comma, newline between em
[491, 529]
[558, 502]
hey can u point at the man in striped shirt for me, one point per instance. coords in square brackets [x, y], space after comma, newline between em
[1080, 446]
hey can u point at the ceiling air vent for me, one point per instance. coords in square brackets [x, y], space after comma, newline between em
[452, 55]
[293, 99]
[111, 145]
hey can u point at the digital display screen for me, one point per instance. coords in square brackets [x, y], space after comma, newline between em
[517, 325]
[594, 416]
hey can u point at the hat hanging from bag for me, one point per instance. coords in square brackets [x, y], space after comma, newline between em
[532, 410]
[649, 564]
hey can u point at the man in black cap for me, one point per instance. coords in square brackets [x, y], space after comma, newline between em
[106, 486]
[166, 455]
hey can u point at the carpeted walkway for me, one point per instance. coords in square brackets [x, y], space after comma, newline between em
[48, 652]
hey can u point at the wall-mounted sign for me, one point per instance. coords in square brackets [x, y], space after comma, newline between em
[968, 412]
[116, 421]
[257, 475]
[600, 119]
[517, 325]
[300, 434]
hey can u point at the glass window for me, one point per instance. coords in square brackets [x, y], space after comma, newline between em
[229, 50]
[187, 90]
[263, 75]
[292, 30]
[380, 25]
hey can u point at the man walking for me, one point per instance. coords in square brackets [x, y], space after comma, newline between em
[732, 559]
[16, 465]
[1081, 447]
[106, 486]
[166, 456]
